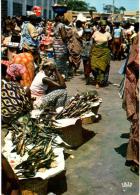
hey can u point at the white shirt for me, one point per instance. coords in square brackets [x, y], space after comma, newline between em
[38, 88]
[101, 38]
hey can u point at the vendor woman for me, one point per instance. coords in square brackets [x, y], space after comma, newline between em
[100, 55]
[48, 87]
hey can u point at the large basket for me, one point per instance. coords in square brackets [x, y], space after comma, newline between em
[35, 186]
[72, 134]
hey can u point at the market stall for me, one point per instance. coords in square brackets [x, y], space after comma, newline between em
[33, 145]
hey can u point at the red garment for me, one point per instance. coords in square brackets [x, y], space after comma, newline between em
[5, 62]
[87, 68]
[131, 101]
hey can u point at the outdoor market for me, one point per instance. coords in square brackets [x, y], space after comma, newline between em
[59, 78]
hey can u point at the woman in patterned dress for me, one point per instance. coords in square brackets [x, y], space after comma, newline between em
[15, 100]
[59, 45]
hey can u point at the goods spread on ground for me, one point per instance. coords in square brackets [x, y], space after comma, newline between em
[80, 104]
[32, 142]
[32, 137]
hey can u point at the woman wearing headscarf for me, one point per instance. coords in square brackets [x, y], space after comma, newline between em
[100, 55]
[29, 34]
[75, 45]
[16, 100]
[17, 73]
[59, 45]
[27, 60]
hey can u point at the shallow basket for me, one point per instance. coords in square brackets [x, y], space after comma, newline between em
[35, 186]
[60, 9]
[72, 134]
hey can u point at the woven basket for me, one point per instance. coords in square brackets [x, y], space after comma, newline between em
[35, 186]
[72, 134]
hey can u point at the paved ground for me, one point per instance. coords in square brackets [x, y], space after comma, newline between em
[99, 165]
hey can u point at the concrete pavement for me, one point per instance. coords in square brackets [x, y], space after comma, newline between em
[98, 166]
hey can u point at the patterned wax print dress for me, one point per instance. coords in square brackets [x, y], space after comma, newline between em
[14, 101]
[60, 51]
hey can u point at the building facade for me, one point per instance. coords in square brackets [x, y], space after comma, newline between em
[19, 7]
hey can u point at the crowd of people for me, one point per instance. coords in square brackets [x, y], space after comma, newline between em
[38, 56]
[28, 40]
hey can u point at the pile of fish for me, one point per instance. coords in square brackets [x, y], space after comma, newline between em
[33, 137]
[79, 104]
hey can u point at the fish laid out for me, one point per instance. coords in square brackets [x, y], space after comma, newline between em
[33, 132]
[35, 136]
[80, 104]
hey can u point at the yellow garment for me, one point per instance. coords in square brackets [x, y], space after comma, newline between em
[100, 57]
[32, 31]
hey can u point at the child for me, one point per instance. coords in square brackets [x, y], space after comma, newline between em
[86, 43]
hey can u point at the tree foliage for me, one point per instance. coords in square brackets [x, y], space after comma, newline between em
[75, 5]
[110, 9]
[93, 9]
[122, 9]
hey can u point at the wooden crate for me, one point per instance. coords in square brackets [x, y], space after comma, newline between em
[35, 186]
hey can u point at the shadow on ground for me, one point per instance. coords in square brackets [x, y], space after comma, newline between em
[122, 149]
[58, 184]
[125, 135]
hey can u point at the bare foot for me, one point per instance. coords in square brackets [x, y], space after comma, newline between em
[97, 86]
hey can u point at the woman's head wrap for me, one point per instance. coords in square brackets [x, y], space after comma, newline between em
[15, 70]
[103, 22]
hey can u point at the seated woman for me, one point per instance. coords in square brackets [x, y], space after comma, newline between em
[48, 87]
[17, 73]
[15, 100]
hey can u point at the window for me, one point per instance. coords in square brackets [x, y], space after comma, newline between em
[4, 8]
[17, 9]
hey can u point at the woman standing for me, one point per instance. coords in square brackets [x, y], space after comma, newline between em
[29, 34]
[86, 43]
[131, 103]
[100, 55]
[117, 41]
[75, 45]
[59, 45]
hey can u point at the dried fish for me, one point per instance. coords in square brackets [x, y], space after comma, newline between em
[79, 104]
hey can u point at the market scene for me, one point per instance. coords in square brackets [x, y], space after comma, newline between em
[69, 97]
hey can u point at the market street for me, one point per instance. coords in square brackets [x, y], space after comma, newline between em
[98, 166]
